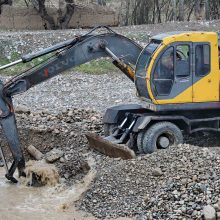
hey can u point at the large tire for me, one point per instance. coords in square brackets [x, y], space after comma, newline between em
[140, 137]
[161, 135]
[108, 129]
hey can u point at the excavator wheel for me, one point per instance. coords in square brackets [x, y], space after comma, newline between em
[140, 141]
[160, 136]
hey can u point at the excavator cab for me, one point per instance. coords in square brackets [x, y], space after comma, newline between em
[176, 68]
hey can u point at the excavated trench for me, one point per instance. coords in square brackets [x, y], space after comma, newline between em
[75, 168]
[64, 132]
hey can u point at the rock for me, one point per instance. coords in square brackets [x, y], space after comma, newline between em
[56, 131]
[195, 212]
[66, 175]
[53, 155]
[218, 216]
[1, 162]
[62, 160]
[209, 213]
[22, 109]
[157, 172]
[217, 207]
[183, 209]
[34, 152]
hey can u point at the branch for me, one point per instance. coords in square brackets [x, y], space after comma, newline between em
[69, 11]
[44, 15]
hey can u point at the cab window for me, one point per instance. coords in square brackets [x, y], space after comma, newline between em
[182, 61]
[202, 58]
[163, 76]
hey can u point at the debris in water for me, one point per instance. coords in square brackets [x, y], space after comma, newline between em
[40, 173]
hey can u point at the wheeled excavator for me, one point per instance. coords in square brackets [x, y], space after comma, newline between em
[176, 77]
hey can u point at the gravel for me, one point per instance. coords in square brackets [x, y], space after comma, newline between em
[25, 42]
[79, 90]
[176, 183]
[188, 180]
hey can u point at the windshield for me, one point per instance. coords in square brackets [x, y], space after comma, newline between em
[141, 67]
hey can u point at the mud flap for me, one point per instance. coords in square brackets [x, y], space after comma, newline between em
[108, 148]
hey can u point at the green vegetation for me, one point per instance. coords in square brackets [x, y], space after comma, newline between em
[97, 67]
[94, 67]
[19, 68]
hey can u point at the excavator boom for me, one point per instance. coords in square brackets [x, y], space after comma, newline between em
[82, 49]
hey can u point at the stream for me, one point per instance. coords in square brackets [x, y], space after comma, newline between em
[20, 202]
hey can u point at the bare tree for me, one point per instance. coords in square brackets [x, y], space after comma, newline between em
[207, 11]
[42, 10]
[4, 2]
[101, 2]
[174, 10]
[200, 9]
[66, 14]
[181, 10]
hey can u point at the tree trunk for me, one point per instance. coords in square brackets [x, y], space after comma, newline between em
[200, 10]
[207, 11]
[190, 12]
[181, 10]
[174, 10]
[4, 2]
[67, 15]
[158, 11]
[44, 15]
[127, 9]
[101, 2]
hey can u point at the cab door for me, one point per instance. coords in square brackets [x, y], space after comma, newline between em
[206, 73]
[172, 75]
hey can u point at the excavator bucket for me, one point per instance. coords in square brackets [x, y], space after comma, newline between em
[109, 148]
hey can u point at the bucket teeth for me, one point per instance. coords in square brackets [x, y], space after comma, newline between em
[108, 148]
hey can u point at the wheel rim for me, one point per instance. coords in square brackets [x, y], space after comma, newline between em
[164, 141]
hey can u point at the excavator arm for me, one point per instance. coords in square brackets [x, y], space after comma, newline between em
[82, 49]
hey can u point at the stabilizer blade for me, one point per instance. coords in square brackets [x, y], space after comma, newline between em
[108, 148]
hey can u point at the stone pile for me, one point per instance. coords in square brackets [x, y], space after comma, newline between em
[179, 183]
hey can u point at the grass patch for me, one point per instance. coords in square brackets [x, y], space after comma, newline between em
[100, 66]
[21, 67]
[94, 67]
[97, 67]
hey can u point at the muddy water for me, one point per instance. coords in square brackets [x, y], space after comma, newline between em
[46, 173]
[46, 203]
[20, 202]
